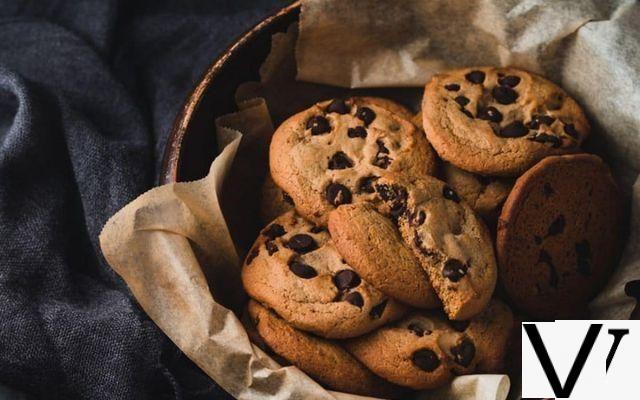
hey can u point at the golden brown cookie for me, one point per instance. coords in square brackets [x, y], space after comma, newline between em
[452, 244]
[499, 121]
[372, 245]
[322, 359]
[559, 235]
[425, 350]
[294, 269]
[484, 194]
[327, 155]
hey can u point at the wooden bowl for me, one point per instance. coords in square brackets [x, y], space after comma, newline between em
[191, 146]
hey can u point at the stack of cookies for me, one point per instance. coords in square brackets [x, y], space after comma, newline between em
[376, 270]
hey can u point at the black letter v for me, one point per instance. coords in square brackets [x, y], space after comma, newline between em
[547, 365]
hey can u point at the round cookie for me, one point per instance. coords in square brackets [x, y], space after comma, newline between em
[452, 244]
[425, 350]
[372, 245]
[273, 201]
[558, 235]
[326, 155]
[484, 194]
[294, 269]
[499, 121]
[322, 359]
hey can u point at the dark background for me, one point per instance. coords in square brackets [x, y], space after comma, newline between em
[88, 94]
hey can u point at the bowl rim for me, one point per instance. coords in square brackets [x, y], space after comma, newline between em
[171, 157]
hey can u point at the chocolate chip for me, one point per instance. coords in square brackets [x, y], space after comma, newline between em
[417, 329]
[366, 115]
[460, 326]
[273, 231]
[452, 87]
[425, 359]
[464, 352]
[537, 239]
[287, 199]
[570, 130]
[357, 132]
[316, 229]
[583, 257]
[319, 125]
[271, 247]
[377, 310]
[346, 279]
[537, 120]
[340, 161]
[504, 94]
[366, 184]
[546, 138]
[514, 130]
[463, 101]
[382, 161]
[545, 258]
[417, 218]
[476, 77]
[252, 255]
[547, 190]
[509, 80]
[338, 106]
[355, 299]
[302, 270]
[450, 194]
[302, 243]
[381, 147]
[454, 270]
[467, 113]
[490, 114]
[337, 194]
[557, 226]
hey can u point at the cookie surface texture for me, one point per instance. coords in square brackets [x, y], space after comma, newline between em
[327, 155]
[294, 269]
[499, 121]
[372, 245]
[322, 359]
[558, 235]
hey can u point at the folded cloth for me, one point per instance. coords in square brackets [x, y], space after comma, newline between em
[88, 93]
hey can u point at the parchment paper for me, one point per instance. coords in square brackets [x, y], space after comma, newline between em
[179, 246]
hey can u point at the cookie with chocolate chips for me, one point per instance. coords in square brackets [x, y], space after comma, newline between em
[294, 269]
[451, 243]
[484, 194]
[372, 245]
[329, 154]
[425, 350]
[558, 235]
[273, 201]
[499, 121]
[324, 360]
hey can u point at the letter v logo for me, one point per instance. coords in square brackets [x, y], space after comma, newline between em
[560, 390]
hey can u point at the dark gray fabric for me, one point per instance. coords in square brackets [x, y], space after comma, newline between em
[88, 92]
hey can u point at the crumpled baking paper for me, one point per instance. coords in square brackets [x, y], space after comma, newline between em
[179, 246]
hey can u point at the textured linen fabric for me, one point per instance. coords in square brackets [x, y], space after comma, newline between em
[88, 93]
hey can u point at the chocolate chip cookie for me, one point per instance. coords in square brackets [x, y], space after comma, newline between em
[452, 244]
[425, 350]
[372, 245]
[327, 155]
[558, 235]
[273, 201]
[294, 269]
[322, 359]
[499, 121]
[485, 194]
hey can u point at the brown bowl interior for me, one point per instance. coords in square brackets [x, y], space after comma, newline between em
[191, 146]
